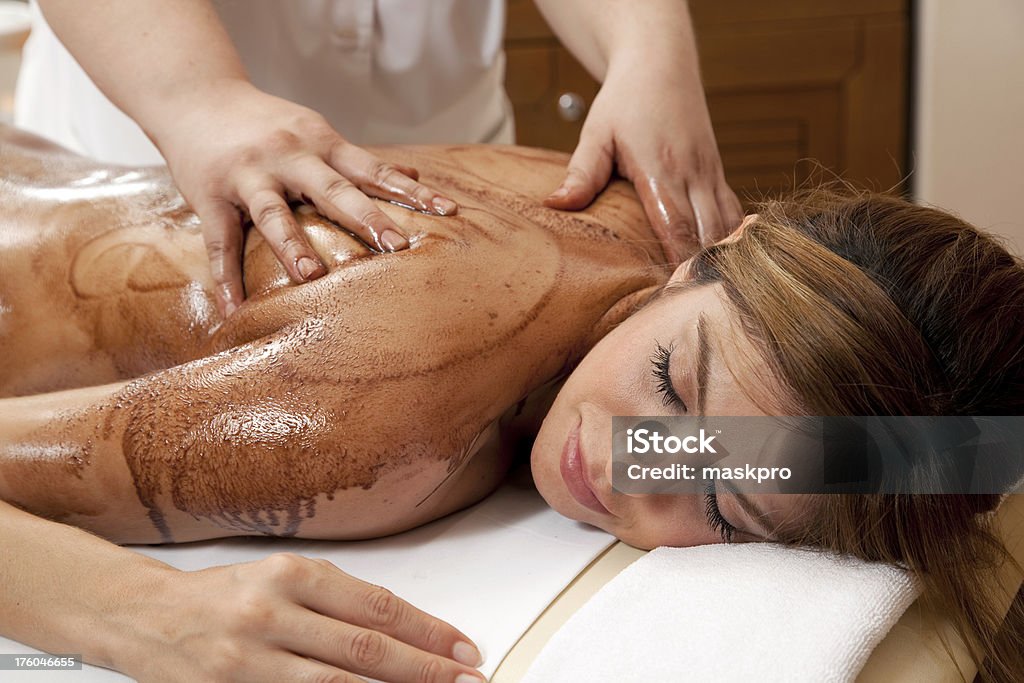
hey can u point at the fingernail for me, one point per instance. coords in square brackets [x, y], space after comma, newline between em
[444, 207]
[468, 678]
[560, 193]
[229, 308]
[308, 268]
[393, 241]
[464, 653]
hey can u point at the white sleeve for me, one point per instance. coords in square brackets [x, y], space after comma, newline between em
[56, 99]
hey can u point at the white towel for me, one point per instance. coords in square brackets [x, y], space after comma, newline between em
[750, 612]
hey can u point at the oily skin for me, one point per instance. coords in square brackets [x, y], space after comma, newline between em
[616, 378]
[360, 404]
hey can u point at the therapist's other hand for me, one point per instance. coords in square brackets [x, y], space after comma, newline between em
[234, 149]
[289, 618]
[653, 126]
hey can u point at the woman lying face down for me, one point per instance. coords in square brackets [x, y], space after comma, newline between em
[394, 392]
[399, 387]
[386, 394]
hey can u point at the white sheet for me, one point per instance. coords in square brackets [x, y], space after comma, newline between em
[489, 570]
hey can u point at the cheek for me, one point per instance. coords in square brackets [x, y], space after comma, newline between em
[614, 376]
[674, 521]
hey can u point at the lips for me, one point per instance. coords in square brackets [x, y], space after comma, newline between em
[573, 469]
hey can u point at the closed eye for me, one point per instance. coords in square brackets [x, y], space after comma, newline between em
[661, 362]
[716, 520]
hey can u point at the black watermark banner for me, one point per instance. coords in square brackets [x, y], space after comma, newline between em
[875, 454]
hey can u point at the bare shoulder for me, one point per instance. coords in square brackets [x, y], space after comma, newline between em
[518, 179]
[530, 171]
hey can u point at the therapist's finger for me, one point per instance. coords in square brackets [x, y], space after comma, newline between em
[409, 171]
[275, 221]
[364, 651]
[671, 217]
[384, 180]
[222, 234]
[729, 205]
[710, 224]
[590, 169]
[342, 597]
[337, 198]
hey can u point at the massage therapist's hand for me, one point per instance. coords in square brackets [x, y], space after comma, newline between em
[653, 125]
[232, 147]
[172, 68]
[289, 618]
[649, 120]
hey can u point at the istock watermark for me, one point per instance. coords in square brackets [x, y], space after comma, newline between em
[874, 454]
[648, 441]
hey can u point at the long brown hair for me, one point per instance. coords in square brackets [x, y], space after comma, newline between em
[866, 304]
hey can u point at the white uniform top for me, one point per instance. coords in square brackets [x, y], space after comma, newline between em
[381, 71]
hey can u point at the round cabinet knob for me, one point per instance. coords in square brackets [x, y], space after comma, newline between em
[571, 107]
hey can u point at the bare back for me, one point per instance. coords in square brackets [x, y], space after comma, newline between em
[346, 407]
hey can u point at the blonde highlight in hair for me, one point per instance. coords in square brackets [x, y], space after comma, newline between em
[866, 304]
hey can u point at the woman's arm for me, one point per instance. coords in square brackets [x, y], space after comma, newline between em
[61, 582]
[69, 592]
[284, 435]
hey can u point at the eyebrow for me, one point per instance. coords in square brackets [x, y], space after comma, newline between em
[703, 363]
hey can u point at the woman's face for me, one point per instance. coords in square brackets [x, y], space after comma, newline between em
[620, 377]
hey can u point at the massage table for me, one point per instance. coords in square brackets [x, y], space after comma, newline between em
[514, 528]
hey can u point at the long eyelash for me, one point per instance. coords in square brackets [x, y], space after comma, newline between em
[661, 359]
[715, 519]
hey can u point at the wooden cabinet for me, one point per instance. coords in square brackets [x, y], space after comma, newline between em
[787, 82]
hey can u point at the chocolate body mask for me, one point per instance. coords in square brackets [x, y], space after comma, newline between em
[366, 402]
